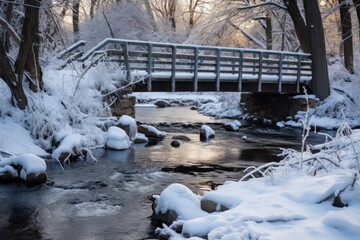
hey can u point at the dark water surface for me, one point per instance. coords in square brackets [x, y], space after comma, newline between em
[108, 199]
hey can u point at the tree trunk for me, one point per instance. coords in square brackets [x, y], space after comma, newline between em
[28, 56]
[9, 13]
[151, 14]
[299, 24]
[269, 29]
[320, 83]
[92, 8]
[75, 19]
[357, 7]
[346, 34]
[172, 12]
[8, 75]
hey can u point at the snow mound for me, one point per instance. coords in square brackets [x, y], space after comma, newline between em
[72, 144]
[182, 200]
[117, 139]
[206, 132]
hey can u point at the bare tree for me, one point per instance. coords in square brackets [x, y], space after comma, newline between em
[346, 34]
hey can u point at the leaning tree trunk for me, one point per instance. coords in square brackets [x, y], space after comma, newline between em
[320, 83]
[299, 24]
[346, 34]
[357, 7]
[28, 57]
[7, 74]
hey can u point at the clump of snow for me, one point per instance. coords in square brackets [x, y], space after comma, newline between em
[298, 196]
[226, 106]
[30, 164]
[117, 139]
[182, 200]
[126, 120]
[151, 131]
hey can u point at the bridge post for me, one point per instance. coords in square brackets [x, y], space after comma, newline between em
[126, 58]
[217, 70]
[196, 68]
[261, 55]
[298, 76]
[173, 67]
[241, 60]
[281, 56]
[149, 68]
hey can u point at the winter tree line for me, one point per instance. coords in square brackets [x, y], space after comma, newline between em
[31, 31]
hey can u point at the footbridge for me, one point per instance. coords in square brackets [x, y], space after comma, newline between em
[154, 66]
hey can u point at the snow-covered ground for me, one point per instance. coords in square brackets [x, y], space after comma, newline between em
[309, 195]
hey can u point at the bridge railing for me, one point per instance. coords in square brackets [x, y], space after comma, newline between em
[178, 62]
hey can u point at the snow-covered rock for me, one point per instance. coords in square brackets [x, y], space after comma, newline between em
[128, 124]
[206, 132]
[70, 146]
[29, 168]
[140, 138]
[151, 132]
[232, 126]
[177, 202]
[117, 139]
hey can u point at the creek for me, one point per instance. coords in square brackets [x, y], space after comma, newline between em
[108, 199]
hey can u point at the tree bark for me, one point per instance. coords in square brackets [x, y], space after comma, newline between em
[320, 83]
[92, 8]
[299, 24]
[269, 41]
[346, 34]
[357, 8]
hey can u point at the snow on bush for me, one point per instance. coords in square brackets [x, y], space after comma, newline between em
[311, 195]
[117, 139]
[227, 105]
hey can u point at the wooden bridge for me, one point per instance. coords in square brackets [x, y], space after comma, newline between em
[178, 67]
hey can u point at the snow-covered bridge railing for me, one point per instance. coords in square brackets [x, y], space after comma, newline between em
[178, 67]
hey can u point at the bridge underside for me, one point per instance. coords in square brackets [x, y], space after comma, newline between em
[162, 85]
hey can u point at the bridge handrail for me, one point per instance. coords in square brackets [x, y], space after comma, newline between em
[107, 41]
[71, 48]
[155, 57]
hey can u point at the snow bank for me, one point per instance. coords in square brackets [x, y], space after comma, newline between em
[117, 139]
[303, 195]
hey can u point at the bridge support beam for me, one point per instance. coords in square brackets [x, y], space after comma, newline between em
[274, 107]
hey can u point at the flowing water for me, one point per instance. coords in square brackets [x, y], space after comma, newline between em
[108, 199]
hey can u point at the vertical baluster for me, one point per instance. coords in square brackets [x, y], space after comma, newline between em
[241, 60]
[217, 69]
[280, 73]
[298, 76]
[173, 67]
[149, 68]
[126, 58]
[196, 68]
[260, 71]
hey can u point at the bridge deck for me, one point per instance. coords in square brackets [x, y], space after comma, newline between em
[177, 67]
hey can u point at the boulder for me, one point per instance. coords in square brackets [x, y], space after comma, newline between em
[140, 138]
[151, 132]
[162, 103]
[128, 124]
[232, 126]
[206, 132]
[117, 139]
[175, 144]
[33, 179]
[210, 206]
[182, 138]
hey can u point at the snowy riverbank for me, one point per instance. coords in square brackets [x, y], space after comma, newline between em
[309, 195]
